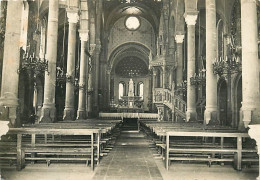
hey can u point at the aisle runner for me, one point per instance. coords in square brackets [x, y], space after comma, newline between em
[129, 159]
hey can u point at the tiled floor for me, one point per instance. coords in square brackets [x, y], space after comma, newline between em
[129, 159]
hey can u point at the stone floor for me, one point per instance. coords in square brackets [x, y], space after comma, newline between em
[131, 158]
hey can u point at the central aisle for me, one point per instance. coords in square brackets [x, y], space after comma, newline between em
[129, 159]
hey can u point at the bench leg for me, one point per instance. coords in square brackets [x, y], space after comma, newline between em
[20, 159]
[33, 145]
[239, 153]
[167, 152]
[92, 151]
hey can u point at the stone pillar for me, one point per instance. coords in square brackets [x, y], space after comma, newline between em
[250, 63]
[108, 72]
[179, 71]
[48, 109]
[73, 18]
[11, 60]
[211, 111]
[90, 79]
[190, 19]
[96, 88]
[153, 89]
[81, 113]
[254, 134]
[164, 77]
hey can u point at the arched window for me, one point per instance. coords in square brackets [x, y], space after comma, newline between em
[121, 90]
[141, 90]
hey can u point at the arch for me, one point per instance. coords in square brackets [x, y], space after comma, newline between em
[220, 39]
[38, 95]
[222, 102]
[121, 89]
[25, 97]
[140, 90]
[140, 50]
[237, 100]
[120, 11]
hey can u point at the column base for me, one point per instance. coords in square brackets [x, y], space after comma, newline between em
[68, 114]
[81, 114]
[191, 115]
[249, 115]
[48, 114]
[211, 116]
[9, 102]
[95, 111]
[4, 128]
[253, 132]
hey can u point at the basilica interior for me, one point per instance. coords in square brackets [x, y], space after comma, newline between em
[129, 89]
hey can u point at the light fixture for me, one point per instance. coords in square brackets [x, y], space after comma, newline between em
[132, 23]
[182, 87]
[199, 79]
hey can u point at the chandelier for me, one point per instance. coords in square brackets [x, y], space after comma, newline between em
[181, 87]
[33, 63]
[229, 65]
[62, 78]
[199, 79]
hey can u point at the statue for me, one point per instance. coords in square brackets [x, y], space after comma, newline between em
[131, 88]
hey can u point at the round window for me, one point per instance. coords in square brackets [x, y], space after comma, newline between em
[132, 23]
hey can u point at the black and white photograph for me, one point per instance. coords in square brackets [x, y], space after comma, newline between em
[129, 89]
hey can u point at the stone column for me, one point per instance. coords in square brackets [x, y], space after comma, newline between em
[108, 86]
[11, 60]
[81, 113]
[48, 109]
[153, 87]
[254, 134]
[164, 77]
[250, 63]
[211, 112]
[190, 19]
[90, 79]
[73, 18]
[96, 85]
[179, 71]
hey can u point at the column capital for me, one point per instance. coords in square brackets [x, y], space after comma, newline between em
[72, 14]
[92, 48]
[83, 34]
[191, 18]
[179, 39]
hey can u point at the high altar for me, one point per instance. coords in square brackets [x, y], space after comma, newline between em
[130, 103]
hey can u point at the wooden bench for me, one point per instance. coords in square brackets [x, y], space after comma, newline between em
[54, 151]
[236, 151]
[197, 148]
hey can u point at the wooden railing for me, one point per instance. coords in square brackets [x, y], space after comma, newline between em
[128, 115]
[180, 107]
[174, 102]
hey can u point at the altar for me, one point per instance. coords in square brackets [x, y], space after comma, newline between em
[130, 103]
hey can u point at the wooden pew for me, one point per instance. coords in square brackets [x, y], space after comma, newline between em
[53, 150]
[197, 148]
[237, 150]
